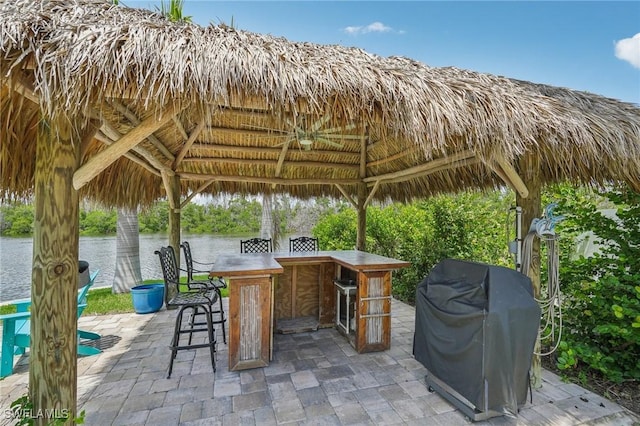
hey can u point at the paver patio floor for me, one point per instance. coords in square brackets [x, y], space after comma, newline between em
[315, 378]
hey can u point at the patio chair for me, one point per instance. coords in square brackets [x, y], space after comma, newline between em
[256, 245]
[16, 330]
[215, 284]
[303, 244]
[203, 298]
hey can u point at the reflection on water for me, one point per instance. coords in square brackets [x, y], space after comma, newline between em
[100, 252]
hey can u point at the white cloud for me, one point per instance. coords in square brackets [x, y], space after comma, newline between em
[628, 49]
[374, 27]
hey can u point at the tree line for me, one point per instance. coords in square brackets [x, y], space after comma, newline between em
[600, 293]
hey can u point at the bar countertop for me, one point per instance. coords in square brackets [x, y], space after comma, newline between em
[268, 263]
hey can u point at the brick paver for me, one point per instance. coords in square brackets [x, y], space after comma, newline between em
[314, 378]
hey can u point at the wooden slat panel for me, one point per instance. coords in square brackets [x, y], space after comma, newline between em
[282, 296]
[249, 322]
[327, 295]
[307, 289]
[373, 332]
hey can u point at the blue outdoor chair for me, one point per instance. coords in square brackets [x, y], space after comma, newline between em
[16, 330]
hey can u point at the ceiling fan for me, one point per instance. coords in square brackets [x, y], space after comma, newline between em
[306, 135]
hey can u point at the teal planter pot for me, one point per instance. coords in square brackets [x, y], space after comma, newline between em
[147, 298]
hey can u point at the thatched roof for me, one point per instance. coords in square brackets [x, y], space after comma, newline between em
[238, 108]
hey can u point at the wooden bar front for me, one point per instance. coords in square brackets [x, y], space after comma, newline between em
[292, 292]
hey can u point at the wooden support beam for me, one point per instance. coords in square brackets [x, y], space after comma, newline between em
[391, 158]
[180, 127]
[341, 166]
[190, 140]
[361, 236]
[283, 155]
[529, 169]
[422, 167]
[105, 158]
[54, 310]
[443, 167]
[514, 179]
[267, 180]
[372, 193]
[196, 192]
[133, 119]
[173, 195]
[167, 182]
[90, 133]
[104, 139]
[347, 196]
[347, 157]
[113, 135]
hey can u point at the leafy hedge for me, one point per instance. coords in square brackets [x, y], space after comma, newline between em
[601, 307]
[469, 226]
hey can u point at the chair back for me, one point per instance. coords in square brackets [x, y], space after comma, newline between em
[170, 270]
[188, 260]
[256, 245]
[303, 244]
[82, 293]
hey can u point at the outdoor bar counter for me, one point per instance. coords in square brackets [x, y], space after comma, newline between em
[301, 291]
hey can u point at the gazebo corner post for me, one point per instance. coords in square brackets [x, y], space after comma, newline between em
[529, 170]
[54, 282]
[173, 195]
[361, 236]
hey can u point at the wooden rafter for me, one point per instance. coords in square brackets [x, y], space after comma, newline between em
[267, 180]
[411, 171]
[133, 119]
[347, 157]
[196, 192]
[104, 159]
[448, 166]
[168, 187]
[113, 134]
[180, 127]
[390, 158]
[190, 140]
[508, 174]
[347, 196]
[205, 160]
[372, 193]
[130, 155]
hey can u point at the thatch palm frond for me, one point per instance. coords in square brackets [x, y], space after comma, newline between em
[409, 130]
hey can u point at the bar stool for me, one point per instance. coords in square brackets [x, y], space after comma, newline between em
[194, 300]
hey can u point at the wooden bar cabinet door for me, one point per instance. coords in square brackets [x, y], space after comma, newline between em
[373, 314]
[249, 322]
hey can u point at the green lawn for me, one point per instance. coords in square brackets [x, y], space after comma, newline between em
[102, 302]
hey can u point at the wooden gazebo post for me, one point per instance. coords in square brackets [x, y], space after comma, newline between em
[53, 353]
[529, 171]
[172, 188]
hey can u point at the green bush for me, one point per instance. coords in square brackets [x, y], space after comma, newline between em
[469, 226]
[601, 303]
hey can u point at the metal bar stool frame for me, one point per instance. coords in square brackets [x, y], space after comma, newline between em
[193, 300]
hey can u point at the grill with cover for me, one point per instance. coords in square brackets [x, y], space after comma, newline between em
[475, 330]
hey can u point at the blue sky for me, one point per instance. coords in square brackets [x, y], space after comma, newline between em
[591, 46]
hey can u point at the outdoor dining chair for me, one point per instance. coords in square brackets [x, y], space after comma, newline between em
[215, 284]
[303, 244]
[256, 245]
[203, 299]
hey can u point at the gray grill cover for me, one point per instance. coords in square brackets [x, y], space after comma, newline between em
[476, 327]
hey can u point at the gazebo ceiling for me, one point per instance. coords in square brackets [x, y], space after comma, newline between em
[234, 111]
